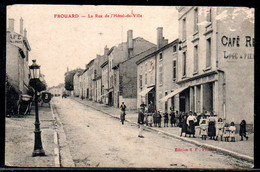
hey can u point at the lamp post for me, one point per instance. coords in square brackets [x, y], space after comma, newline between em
[34, 82]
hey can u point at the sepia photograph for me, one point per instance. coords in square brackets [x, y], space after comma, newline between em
[124, 86]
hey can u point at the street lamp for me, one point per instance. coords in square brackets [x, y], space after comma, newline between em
[35, 82]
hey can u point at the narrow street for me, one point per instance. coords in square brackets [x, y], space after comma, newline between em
[98, 140]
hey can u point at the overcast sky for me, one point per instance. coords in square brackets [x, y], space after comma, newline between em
[58, 43]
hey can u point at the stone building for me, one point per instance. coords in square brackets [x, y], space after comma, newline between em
[120, 53]
[106, 94]
[156, 75]
[17, 57]
[216, 61]
[77, 84]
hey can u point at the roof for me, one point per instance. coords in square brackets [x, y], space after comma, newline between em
[150, 49]
[111, 49]
[104, 64]
[157, 51]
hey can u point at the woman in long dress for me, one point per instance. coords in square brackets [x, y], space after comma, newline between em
[212, 127]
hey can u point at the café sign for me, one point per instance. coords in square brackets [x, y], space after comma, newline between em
[16, 39]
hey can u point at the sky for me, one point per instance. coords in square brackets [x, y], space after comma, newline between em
[58, 43]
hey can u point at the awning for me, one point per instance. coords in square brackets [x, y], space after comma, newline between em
[106, 93]
[145, 91]
[177, 91]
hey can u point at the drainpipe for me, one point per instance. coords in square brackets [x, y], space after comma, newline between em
[155, 83]
[216, 39]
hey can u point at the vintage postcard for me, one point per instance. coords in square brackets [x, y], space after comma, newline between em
[129, 86]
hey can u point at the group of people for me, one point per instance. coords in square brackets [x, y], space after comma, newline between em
[210, 125]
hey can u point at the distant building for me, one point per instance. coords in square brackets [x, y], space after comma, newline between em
[97, 80]
[56, 90]
[77, 84]
[106, 93]
[216, 62]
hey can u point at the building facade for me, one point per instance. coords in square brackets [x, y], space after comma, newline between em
[120, 53]
[156, 75]
[216, 62]
[77, 84]
[17, 57]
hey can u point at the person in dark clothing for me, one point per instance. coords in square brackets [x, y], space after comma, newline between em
[183, 125]
[159, 119]
[142, 106]
[212, 126]
[122, 115]
[155, 119]
[191, 124]
[172, 118]
[151, 107]
[180, 119]
[242, 131]
[123, 107]
[141, 123]
[166, 119]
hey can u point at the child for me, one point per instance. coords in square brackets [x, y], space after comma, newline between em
[242, 131]
[226, 132]
[150, 119]
[219, 129]
[203, 128]
[232, 129]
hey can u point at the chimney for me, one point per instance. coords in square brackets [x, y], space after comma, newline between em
[159, 37]
[21, 26]
[25, 33]
[11, 25]
[165, 42]
[130, 45]
[106, 51]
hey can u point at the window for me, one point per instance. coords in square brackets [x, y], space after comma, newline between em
[174, 70]
[145, 79]
[184, 28]
[208, 53]
[196, 20]
[95, 73]
[209, 15]
[161, 57]
[111, 81]
[160, 74]
[184, 64]
[115, 78]
[174, 49]
[140, 81]
[196, 58]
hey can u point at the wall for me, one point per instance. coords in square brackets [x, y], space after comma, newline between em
[143, 68]
[168, 84]
[128, 72]
[237, 62]
[194, 38]
[129, 102]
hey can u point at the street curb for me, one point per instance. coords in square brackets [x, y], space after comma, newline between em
[56, 149]
[222, 150]
[65, 157]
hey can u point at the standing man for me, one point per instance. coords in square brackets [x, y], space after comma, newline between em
[142, 106]
[122, 115]
[141, 123]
